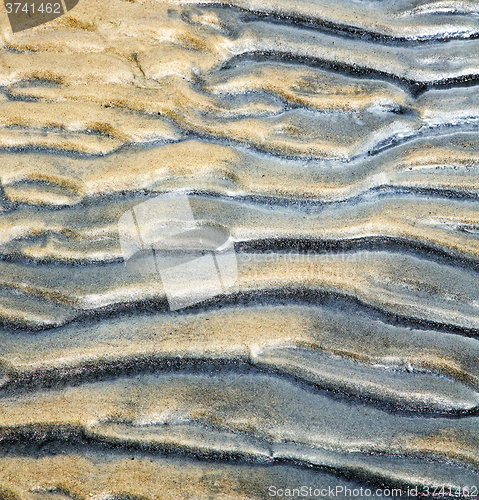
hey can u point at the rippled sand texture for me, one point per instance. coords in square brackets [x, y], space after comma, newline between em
[337, 142]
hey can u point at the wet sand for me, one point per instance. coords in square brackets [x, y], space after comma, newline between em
[337, 145]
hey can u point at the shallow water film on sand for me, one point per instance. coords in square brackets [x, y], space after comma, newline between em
[239, 250]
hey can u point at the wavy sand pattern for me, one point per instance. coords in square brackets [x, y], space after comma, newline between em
[336, 143]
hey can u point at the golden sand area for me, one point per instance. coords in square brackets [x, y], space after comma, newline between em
[334, 147]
